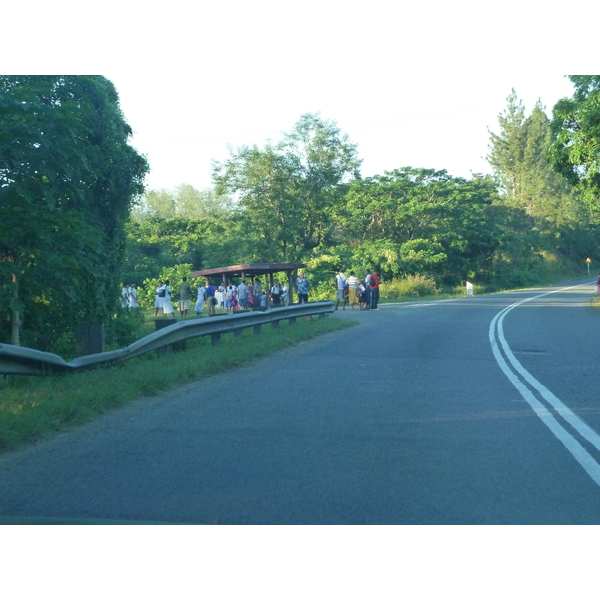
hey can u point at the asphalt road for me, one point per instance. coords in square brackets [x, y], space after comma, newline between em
[447, 412]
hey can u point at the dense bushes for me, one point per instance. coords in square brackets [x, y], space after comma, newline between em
[411, 285]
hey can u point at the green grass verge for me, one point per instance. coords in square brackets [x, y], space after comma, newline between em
[33, 408]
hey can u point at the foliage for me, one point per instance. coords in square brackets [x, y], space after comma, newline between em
[184, 202]
[422, 220]
[540, 214]
[124, 328]
[520, 158]
[289, 192]
[576, 127]
[411, 285]
[67, 181]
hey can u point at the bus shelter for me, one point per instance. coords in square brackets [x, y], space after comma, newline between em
[253, 271]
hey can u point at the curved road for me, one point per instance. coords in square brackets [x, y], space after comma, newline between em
[481, 410]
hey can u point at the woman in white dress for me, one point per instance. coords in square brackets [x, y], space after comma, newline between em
[220, 296]
[200, 301]
[158, 303]
[133, 303]
[167, 302]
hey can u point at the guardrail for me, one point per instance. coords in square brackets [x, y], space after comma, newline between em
[15, 360]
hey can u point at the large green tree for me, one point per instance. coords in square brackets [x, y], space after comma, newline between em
[421, 220]
[67, 181]
[289, 191]
[543, 214]
[576, 127]
[520, 159]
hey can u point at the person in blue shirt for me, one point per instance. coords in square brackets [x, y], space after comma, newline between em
[302, 284]
[210, 297]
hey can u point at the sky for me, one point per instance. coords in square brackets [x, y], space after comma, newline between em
[411, 85]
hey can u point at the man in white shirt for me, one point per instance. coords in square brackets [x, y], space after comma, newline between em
[243, 294]
[340, 284]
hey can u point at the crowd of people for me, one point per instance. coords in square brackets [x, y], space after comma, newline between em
[243, 297]
[250, 295]
[363, 293]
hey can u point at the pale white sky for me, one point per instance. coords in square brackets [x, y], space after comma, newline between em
[412, 85]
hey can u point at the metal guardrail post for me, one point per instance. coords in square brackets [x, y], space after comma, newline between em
[161, 324]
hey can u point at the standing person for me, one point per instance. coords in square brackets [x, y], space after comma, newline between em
[200, 299]
[340, 284]
[124, 296]
[367, 298]
[229, 300]
[598, 284]
[285, 294]
[220, 296]
[251, 295]
[352, 283]
[276, 294]
[210, 297]
[243, 294]
[303, 285]
[167, 302]
[159, 292]
[132, 296]
[375, 281]
[263, 300]
[256, 294]
[360, 295]
[185, 297]
[236, 304]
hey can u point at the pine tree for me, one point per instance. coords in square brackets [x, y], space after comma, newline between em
[507, 148]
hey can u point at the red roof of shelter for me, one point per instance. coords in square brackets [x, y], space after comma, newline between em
[251, 269]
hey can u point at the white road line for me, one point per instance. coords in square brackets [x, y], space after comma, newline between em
[496, 334]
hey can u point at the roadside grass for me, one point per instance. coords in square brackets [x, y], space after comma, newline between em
[32, 408]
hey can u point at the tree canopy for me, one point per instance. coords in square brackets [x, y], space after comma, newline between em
[67, 182]
[576, 127]
[289, 191]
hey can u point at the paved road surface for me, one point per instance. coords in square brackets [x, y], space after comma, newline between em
[431, 413]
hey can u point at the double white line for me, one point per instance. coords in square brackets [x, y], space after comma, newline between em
[527, 385]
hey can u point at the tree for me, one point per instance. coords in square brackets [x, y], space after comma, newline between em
[422, 220]
[288, 192]
[67, 180]
[576, 129]
[520, 159]
[544, 215]
[508, 147]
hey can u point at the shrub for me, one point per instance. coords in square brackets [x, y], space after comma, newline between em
[124, 328]
[411, 285]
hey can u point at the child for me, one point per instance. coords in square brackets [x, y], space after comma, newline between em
[360, 296]
[229, 299]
